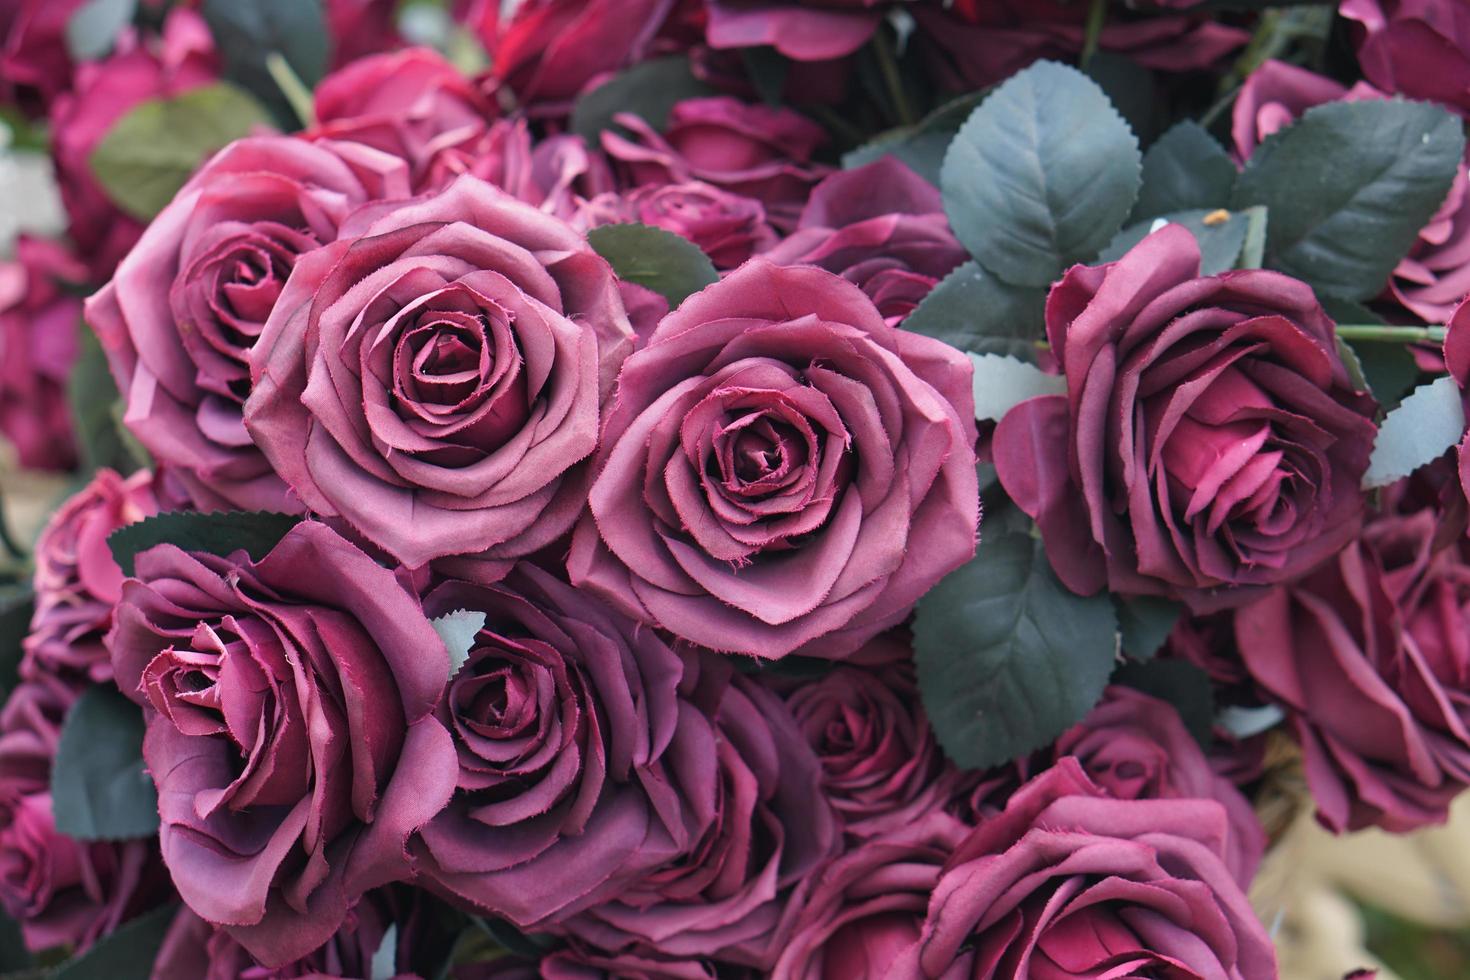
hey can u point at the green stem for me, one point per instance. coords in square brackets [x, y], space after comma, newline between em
[1096, 15]
[1393, 335]
[6, 540]
[888, 65]
[298, 96]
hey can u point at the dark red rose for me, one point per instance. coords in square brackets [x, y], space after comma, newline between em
[1416, 48]
[804, 30]
[729, 228]
[1210, 444]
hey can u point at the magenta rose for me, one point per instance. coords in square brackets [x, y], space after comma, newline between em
[1457, 364]
[435, 377]
[868, 906]
[1368, 655]
[804, 30]
[290, 730]
[1210, 444]
[881, 226]
[77, 582]
[1276, 94]
[1416, 48]
[186, 306]
[754, 150]
[730, 895]
[557, 174]
[411, 104]
[781, 470]
[580, 767]
[40, 320]
[727, 227]
[183, 58]
[35, 62]
[359, 28]
[1068, 882]
[574, 963]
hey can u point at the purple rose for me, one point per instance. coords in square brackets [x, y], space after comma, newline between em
[1210, 444]
[804, 30]
[557, 174]
[435, 376]
[35, 63]
[290, 729]
[1416, 48]
[781, 470]
[881, 226]
[727, 227]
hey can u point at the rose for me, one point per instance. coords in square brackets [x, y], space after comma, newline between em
[179, 318]
[571, 741]
[181, 60]
[868, 906]
[434, 378]
[881, 226]
[1368, 655]
[1068, 882]
[1276, 94]
[411, 104]
[1416, 48]
[754, 150]
[781, 470]
[730, 896]
[360, 28]
[804, 30]
[35, 64]
[290, 729]
[555, 173]
[727, 227]
[1210, 444]
[1457, 363]
[77, 582]
[39, 320]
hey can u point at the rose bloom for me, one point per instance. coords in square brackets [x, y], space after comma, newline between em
[40, 317]
[881, 226]
[557, 174]
[1068, 882]
[580, 767]
[781, 470]
[180, 317]
[1457, 364]
[77, 582]
[727, 227]
[435, 377]
[1368, 655]
[1210, 444]
[290, 732]
[729, 896]
[754, 150]
[1416, 48]
[803, 30]
[360, 28]
[35, 62]
[139, 69]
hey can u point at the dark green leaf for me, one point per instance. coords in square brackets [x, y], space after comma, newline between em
[92, 28]
[1131, 89]
[246, 33]
[126, 954]
[974, 311]
[1007, 657]
[767, 69]
[151, 151]
[94, 411]
[1220, 238]
[530, 945]
[1041, 176]
[1389, 370]
[921, 146]
[659, 260]
[99, 789]
[649, 90]
[805, 668]
[214, 532]
[14, 957]
[1144, 623]
[1002, 382]
[1180, 683]
[17, 602]
[1186, 170]
[1348, 187]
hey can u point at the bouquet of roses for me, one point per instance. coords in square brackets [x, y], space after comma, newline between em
[531, 461]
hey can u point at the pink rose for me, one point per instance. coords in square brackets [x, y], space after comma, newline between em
[180, 317]
[881, 226]
[35, 63]
[1415, 48]
[1457, 364]
[138, 70]
[781, 470]
[753, 150]
[435, 377]
[290, 729]
[40, 316]
[555, 173]
[727, 227]
[804, 30]
[360, 28]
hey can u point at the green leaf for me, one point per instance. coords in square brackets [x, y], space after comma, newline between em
[457, 629]
[1180, 683]
[17, 602]
[92, 28]
[1220, 234]
[246, 34]
[649, 90]
[152, 151]
[921, 147]
[1389, 370]
[1419, 431]
[125, 954]
[1002, 382]
[1007, 657]
[384, 964]
[95, 411]
[14, 957]
[659, 260]
[1131, 88]
[1348, 187]
[972, 310]
[1041, 176]
[215, 532]
[1186, 170]
[1144, 623]
[1253, 253]
[99, 789]
[767, 69]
